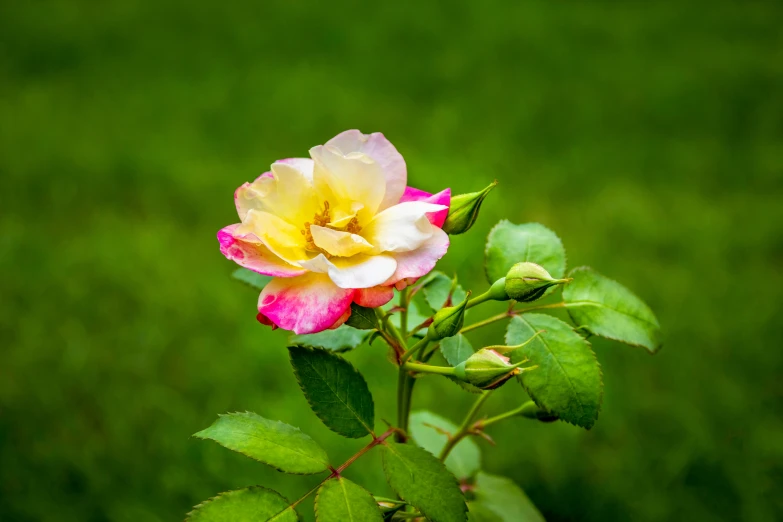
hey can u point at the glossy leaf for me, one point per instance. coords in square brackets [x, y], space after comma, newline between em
[275, 443]
[430, 431]
[456, 349]
[423, 481]
[340, 339]
[436, 291]
[508, 244]
[340, 500]
[567, 381]
[605, 307]
[362, 318]
[336, 391]
[254, 503]
[504, 498]
[250, 278]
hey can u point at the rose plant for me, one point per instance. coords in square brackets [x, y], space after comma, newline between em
[343, 251]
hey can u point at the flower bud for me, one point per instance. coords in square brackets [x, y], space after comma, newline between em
[487, 369]
[531, 411]
[464, 210]
[497, 292]
[527, 282]
[448, 321]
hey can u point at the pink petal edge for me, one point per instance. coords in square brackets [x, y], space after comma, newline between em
[306, 304]
[441, 198]
[253, 254]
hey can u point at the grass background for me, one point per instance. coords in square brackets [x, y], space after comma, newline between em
[648, 135]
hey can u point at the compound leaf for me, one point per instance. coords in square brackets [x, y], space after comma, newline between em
[509, 244]
[336, 391]
[567, 381]
[605, 307]
[503, 497]
[430, 431]
[275, 443]
[340, 339]
[423, 481]
[340, 500]
[253, 503]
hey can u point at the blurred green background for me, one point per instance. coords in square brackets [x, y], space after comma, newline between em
[648, 135]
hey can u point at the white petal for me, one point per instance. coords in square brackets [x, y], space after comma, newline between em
[401, 228]
[360, 271]
[339, 243]
[384, 153]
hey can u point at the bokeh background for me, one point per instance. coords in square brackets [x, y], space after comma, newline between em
[648, 135]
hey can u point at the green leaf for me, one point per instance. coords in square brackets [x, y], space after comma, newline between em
[340, 339]
[567, 381]
[606, 308]
[362, 318]
[275, 443]
[423, 481]
[503, 497]
[456, 349]
[250, 278]
[340, 500]
[336, 391]
[509, 244]
[436, 291]
[478, 512]
[254, 503]
[431, 431]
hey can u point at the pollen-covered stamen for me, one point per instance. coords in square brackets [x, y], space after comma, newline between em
[321, 219]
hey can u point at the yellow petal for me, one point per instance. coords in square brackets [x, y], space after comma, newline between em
[279, 236]
[338, 243]
[352, 183]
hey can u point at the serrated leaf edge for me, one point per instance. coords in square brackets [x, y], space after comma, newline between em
[212, 499]
[657, 325]
[326, 467]
[370, 429]
[456, 481]
[492, 230]
[600, 378]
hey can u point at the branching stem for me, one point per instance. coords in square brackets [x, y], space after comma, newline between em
[336, 472]
[466, 428]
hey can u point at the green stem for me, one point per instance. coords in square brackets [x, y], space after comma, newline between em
[465, 428]
[540, 307]
[404, 303]
[336, 472]
[485, 322]
[428, 368]
[422, 343]
[510, 313]
[486, 296]
[503, 416]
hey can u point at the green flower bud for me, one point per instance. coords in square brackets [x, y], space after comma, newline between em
[448, 321]
[531, 411]
[487, 369]
[527, 282]
[497, 292]
[464, 210]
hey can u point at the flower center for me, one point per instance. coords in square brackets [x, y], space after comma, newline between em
[322, 219]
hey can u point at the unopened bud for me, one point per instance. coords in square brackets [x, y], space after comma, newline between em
[531, 411]
[464, 210]
[528, 281]
[497, 292]
[487, 369]
[448, 321]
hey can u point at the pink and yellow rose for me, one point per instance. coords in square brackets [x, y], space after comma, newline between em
[337, 228]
